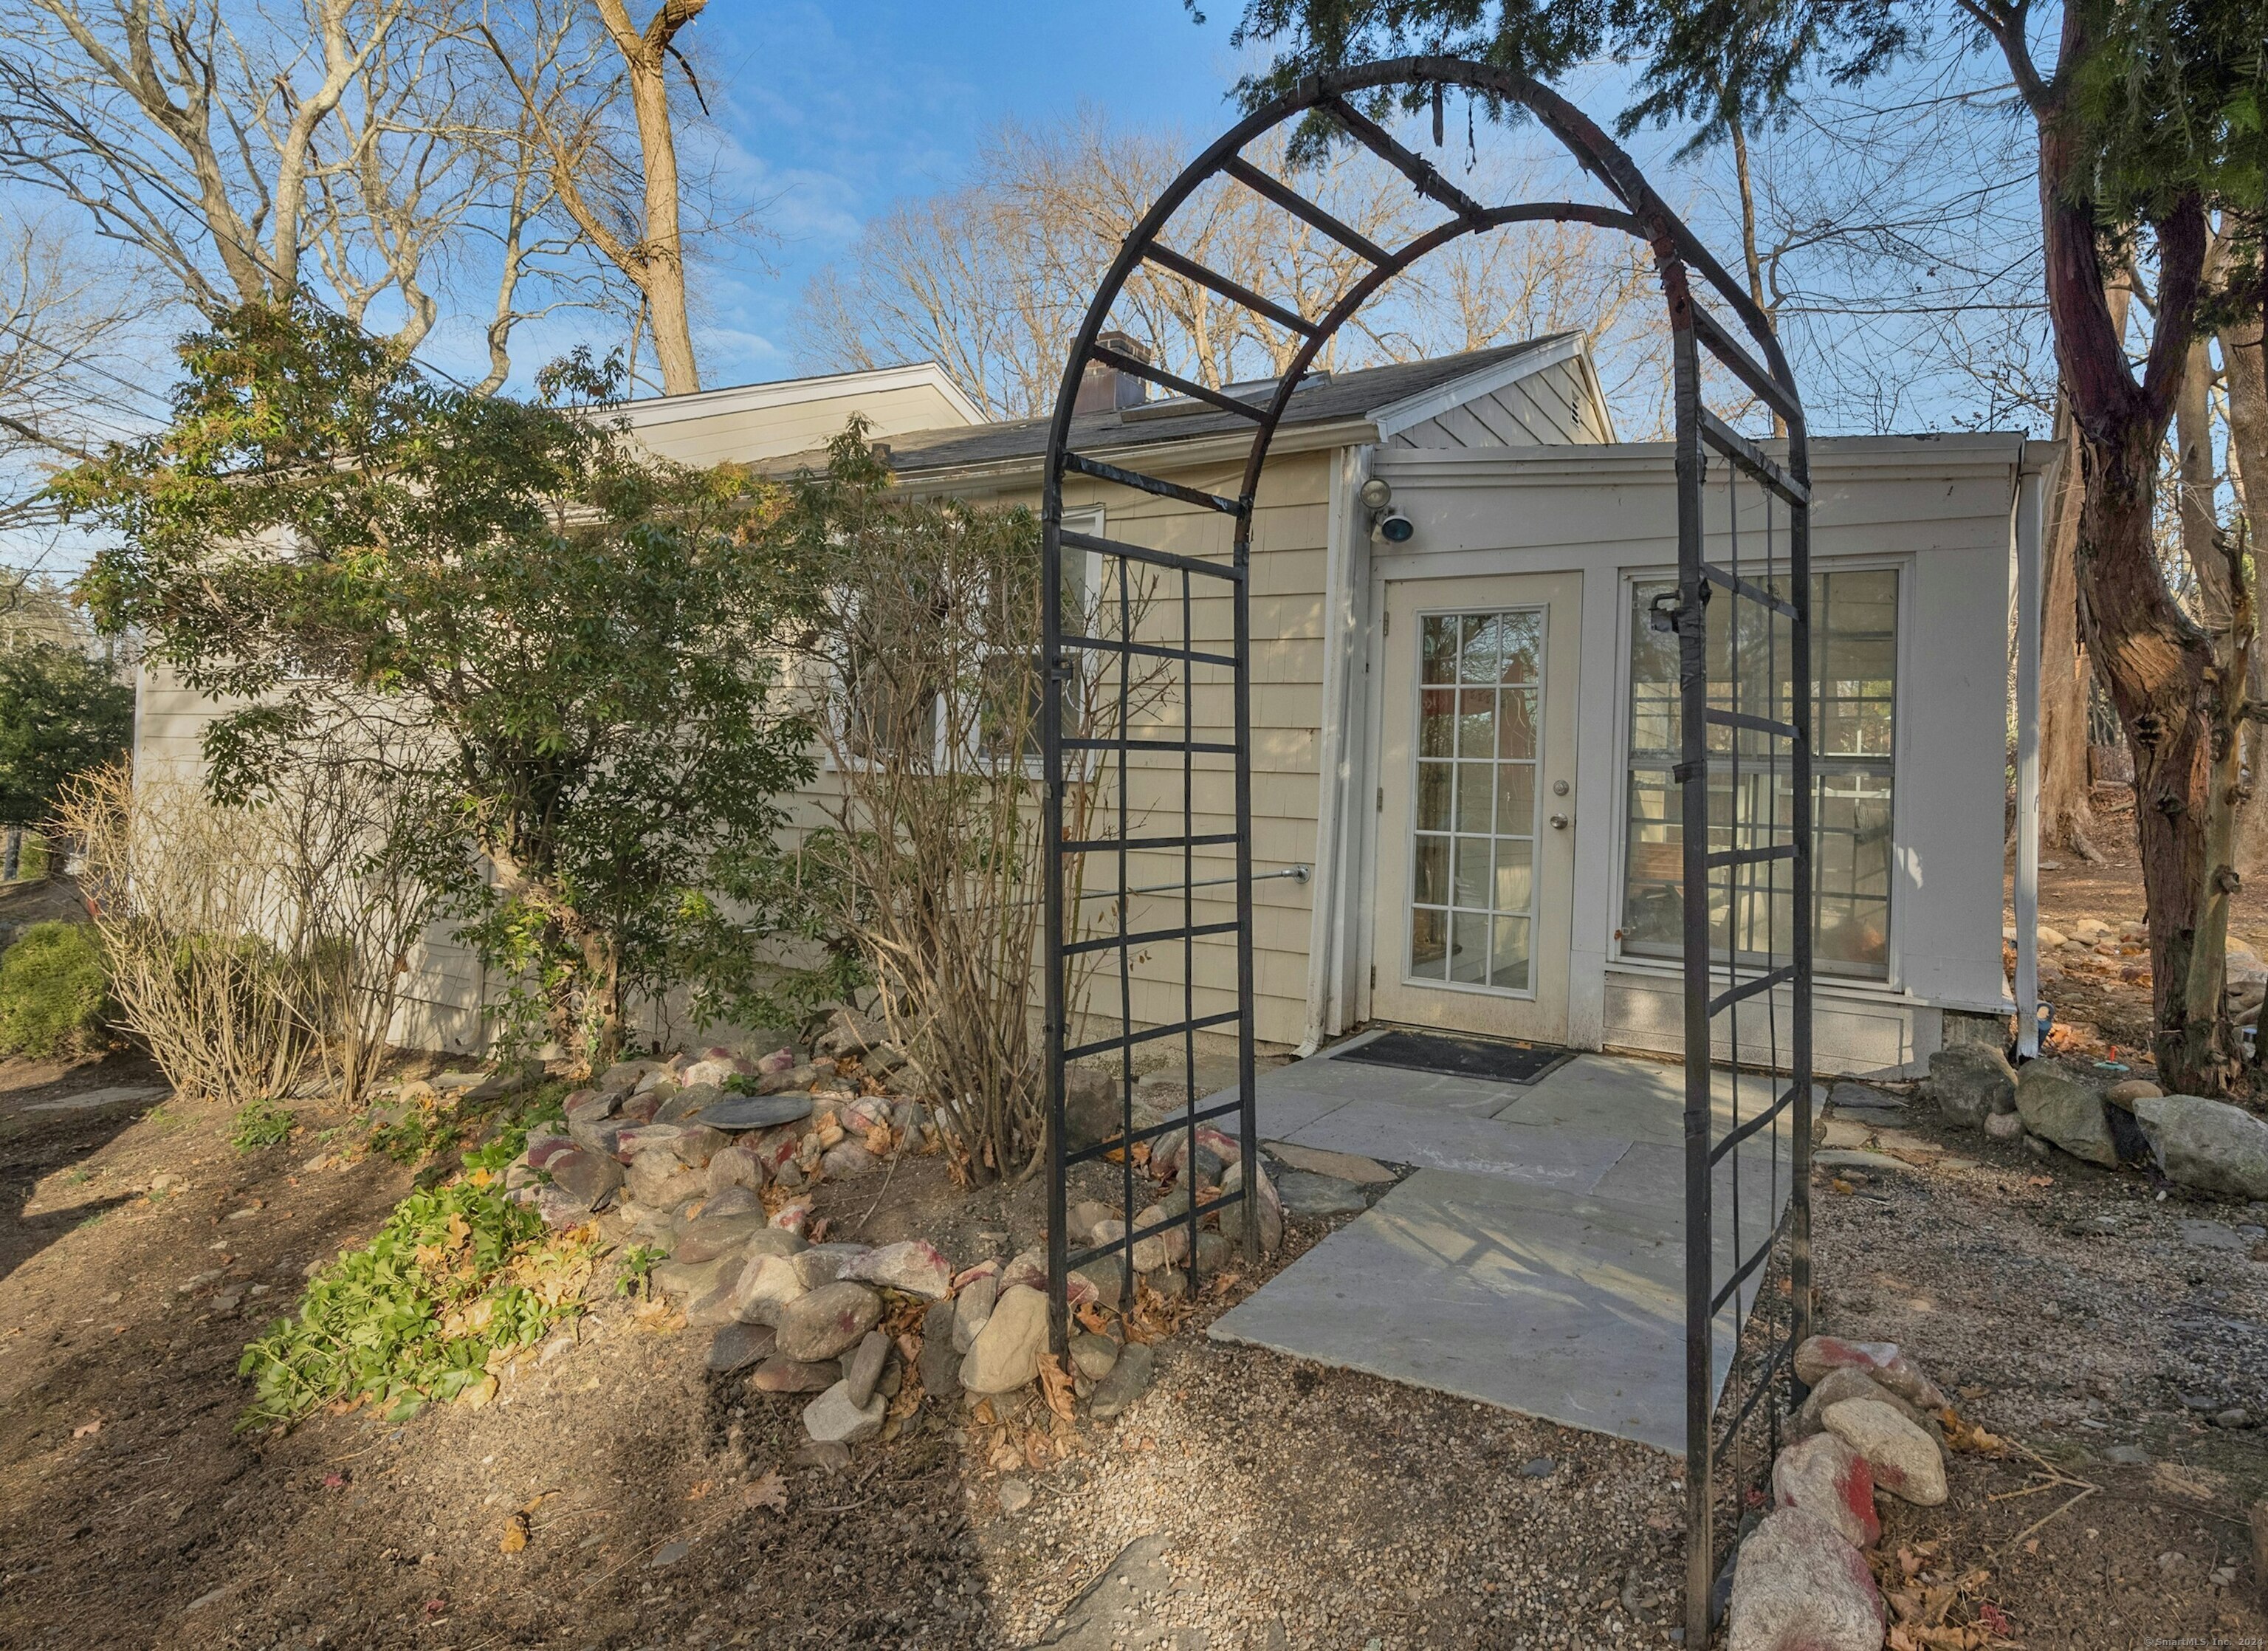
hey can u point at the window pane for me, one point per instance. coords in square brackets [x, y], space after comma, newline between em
[1521, 634]
[1437, 723]
[1473, 796]
[1433, 796]
[1429, 883]
[1437, 646]
[1516, 723]
[1515, 883]
[1855, 649]
[1475, 858]
[1509, 968]
[1469, 958]
[1515, 799]
[1475, 722]
[1476, 661]
[1429, 945]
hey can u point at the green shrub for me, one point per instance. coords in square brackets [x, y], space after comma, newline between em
[54, 992]
[456, 1280]
[261, 1123]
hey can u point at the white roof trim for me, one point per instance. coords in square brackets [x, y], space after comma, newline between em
[1397, 417]
[742, 398]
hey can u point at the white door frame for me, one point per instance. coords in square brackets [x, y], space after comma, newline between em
[1369, 849]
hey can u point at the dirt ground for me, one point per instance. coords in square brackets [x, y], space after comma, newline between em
[2091, 1322]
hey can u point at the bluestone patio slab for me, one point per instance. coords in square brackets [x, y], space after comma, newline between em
[1443, 1139]
[1546, 1302]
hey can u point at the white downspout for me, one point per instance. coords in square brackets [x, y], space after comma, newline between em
[1333, 770]
[2028, 489]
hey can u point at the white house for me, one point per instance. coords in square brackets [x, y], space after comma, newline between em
[1532, 525]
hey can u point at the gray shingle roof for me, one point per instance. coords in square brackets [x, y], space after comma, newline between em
[1343, 395]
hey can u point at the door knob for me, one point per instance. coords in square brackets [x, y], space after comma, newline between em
[1558, 823]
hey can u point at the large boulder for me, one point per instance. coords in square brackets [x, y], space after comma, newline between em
[1006, 1352]
[1882, 1361]
[1799, 1587]
[940, 1360]
[1272, 1210]
[1827, 1476]
[2064, 1105]
[828, 1321]
[767, 1284]
[1970, 1083]
[586, 1176]
[2208, 1145]
[1849, 1382]
[835, 1418]
[1093, 1108]
[1906, 1461]
[915, 1267]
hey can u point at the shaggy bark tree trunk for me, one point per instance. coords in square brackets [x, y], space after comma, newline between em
[2244, 366]
[2066, 808]
[2158, 667]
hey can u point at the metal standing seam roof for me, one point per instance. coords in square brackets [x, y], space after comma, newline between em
[1321, 401]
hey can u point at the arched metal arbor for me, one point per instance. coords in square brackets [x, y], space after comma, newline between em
[1743, 940]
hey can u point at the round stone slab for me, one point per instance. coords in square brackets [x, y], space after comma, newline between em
[755, 1111]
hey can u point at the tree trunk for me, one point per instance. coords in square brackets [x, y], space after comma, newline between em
[2158, 666]
[2197, 480]
[2246, 373]
[661, 248]
[2067, 809]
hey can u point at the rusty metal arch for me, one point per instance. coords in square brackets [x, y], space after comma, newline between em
[1751, 353]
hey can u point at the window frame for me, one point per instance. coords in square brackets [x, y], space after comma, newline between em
[1088, 518]
[1890, 977]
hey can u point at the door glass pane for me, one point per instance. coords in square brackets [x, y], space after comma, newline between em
[1437, 650]
[1431, 885]
[1473, 858]
[1509, 968]
[1515, 797]
[1437, 723]
[1428, 943]
[1477, 722]
[1472, 894]
[1475, 785]
[1469, 958]
[1433, 796]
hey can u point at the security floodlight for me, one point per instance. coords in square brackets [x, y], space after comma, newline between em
[1396, 528]
[1375, 493]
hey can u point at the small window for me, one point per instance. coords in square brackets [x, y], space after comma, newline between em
[1854, 648]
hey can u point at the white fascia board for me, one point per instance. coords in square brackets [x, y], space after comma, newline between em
[1186, 452]
[2001, 453]
[833, 387]
[1397, 417]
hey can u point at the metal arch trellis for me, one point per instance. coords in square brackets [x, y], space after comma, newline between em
[1720, 728]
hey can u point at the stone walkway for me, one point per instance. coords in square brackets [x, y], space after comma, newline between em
[1536, 1260]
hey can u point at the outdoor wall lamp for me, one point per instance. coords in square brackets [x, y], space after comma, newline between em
[1389, 524]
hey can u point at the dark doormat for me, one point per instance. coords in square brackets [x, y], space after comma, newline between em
[1493, 1059]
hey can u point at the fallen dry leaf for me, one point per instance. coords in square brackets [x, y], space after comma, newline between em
[697, 1492]
[1056, 1385]
[515, 1534]
[770, 1491]
[85, 1428]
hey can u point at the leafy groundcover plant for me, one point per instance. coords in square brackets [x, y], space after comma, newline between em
[456, 1282]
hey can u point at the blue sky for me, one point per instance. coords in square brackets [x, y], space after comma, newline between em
[829, 113]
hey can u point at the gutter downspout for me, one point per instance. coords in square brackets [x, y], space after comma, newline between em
[2030, 485]
[1333, 772]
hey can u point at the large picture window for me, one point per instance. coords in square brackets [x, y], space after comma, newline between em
[1854, 654]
